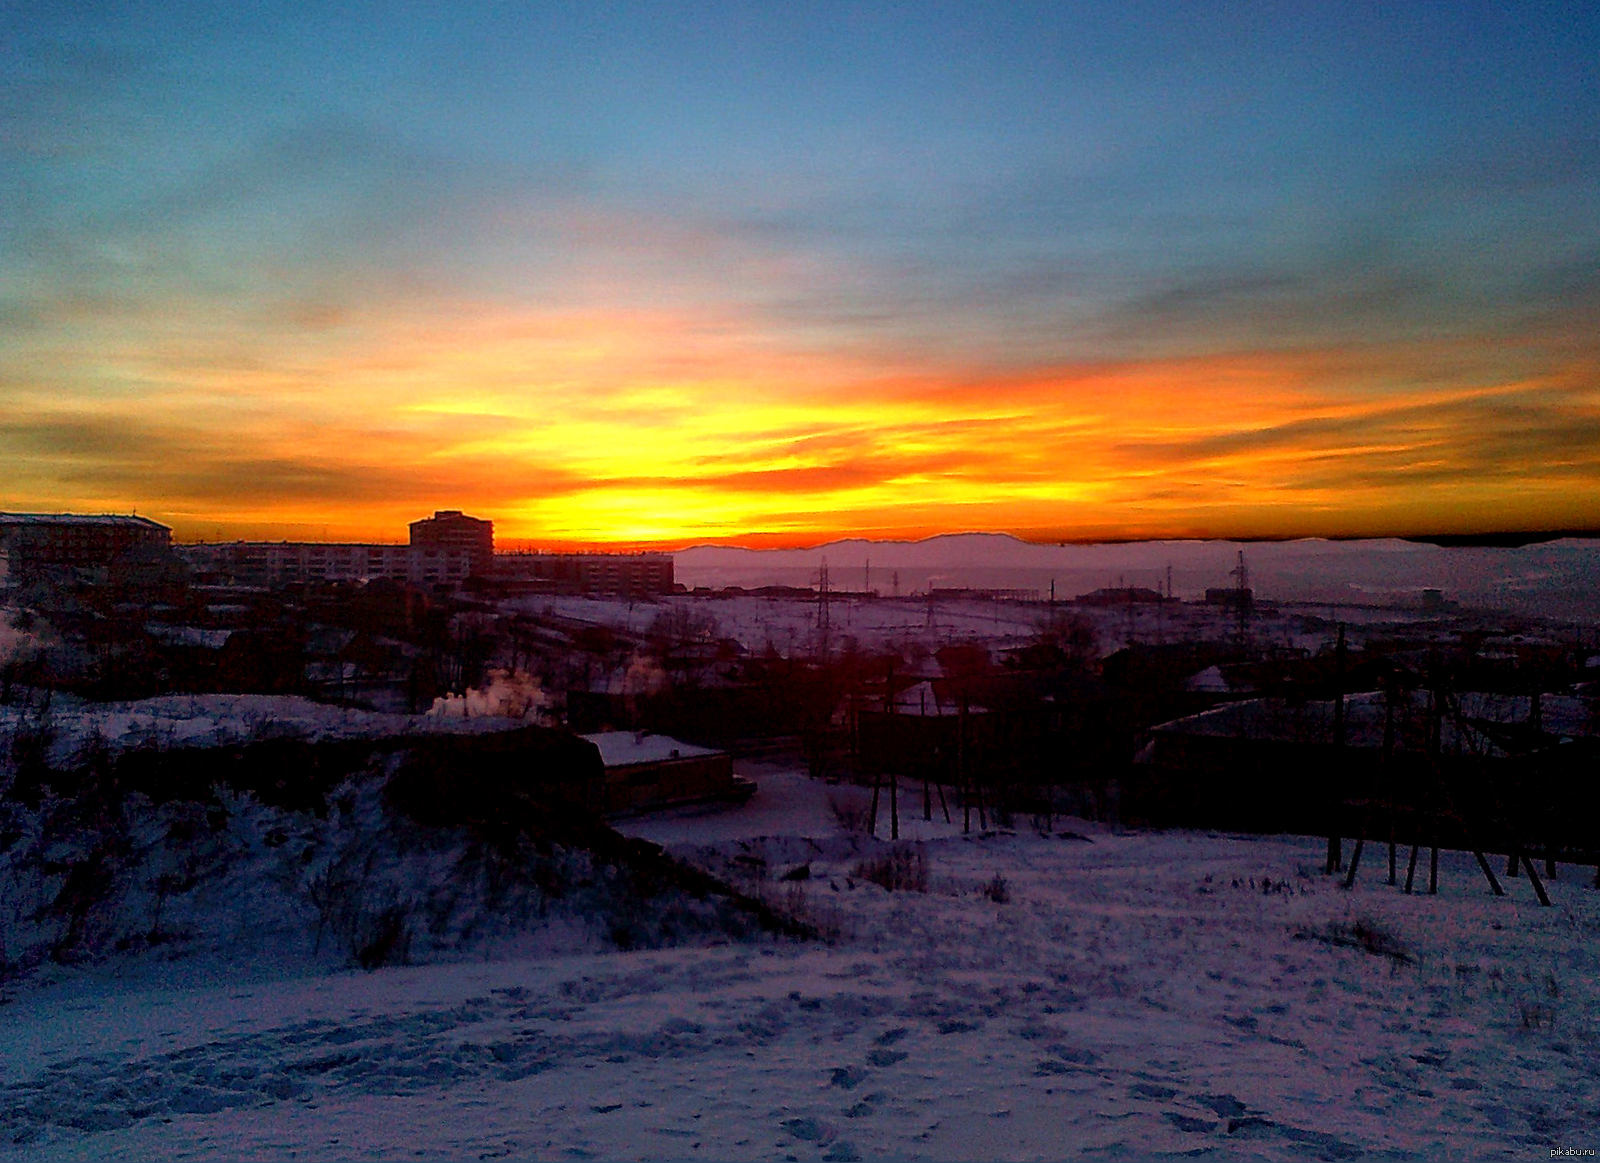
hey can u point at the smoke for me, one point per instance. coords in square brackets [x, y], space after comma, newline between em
[644, 676]
[509, 694]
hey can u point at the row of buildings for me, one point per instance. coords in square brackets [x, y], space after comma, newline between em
[447, 549]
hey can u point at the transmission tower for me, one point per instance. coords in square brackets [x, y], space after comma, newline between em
[1242, 597]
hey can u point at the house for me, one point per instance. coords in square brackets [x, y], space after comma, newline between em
[645, 772]
[1465, 760]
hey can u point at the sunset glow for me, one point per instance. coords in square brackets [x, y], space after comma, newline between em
[613, 328]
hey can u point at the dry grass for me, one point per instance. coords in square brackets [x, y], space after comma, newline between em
[1364, 934]
[903, 868]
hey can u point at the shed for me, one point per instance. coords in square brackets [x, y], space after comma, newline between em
[645, 772]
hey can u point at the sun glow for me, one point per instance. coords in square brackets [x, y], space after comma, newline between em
[660, 428]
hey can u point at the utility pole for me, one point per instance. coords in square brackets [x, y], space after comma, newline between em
[822, 607]
[1335, 842]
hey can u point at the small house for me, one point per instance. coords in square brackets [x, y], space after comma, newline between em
[645, 772]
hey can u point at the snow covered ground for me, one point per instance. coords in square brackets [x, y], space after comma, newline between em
[208, 720]
[789, 625]
[1080, 993]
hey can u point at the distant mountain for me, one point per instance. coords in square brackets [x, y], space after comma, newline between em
[1002, 551]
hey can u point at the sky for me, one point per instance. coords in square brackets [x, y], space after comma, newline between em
[769, 274]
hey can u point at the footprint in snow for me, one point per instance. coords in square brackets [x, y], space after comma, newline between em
[1223, 1105]
[1147, 1090]
[807, 1130]
[1189, 1123]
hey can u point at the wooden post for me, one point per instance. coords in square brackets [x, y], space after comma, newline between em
[1436, 702]
[961, 767]
[1533, 879]
[1355, 860]
[1335, 840]
[1388, 764]
[894, 806]
[1411, 867]
[1489, 872]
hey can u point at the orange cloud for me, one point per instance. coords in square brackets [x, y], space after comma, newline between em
[672, 427]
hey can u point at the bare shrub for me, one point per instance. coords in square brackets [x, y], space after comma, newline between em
[903, 868]
[333, 893]
[381, 938]
[1364, 934]
[1537, 1015]
[824, 918]
[851, 813]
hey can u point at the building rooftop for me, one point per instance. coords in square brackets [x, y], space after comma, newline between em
[625, 748]
[78, 519]
[1475, 722]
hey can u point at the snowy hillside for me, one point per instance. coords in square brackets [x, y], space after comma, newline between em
[1018, 996]
[1553, 578]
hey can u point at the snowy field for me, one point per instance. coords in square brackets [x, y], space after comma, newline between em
[1082, 993]
[1551, 579]
[789, 625]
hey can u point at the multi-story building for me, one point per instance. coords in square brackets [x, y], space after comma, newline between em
[600, 575]
[449, 530]
[78, 546]
[445, 549]
[273, 563]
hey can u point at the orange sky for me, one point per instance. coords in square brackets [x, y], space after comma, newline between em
[574, 428]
